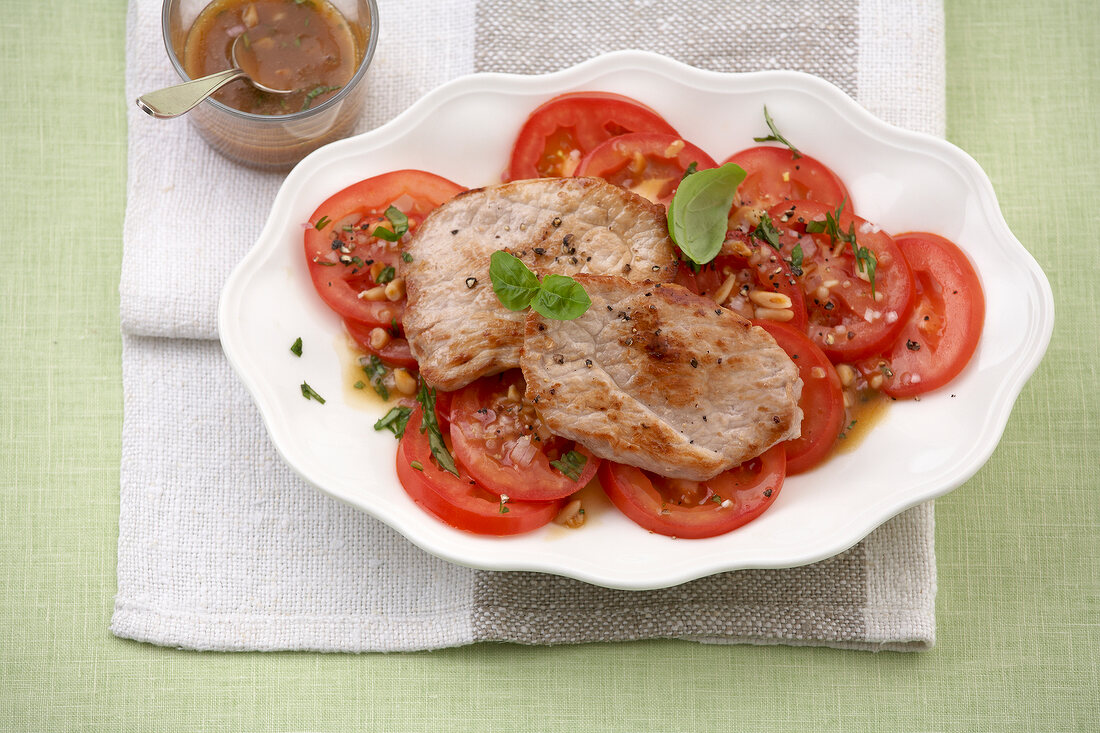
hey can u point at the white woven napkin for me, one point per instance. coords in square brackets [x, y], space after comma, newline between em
[222, 547]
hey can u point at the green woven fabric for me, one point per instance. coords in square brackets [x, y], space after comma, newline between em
[1018, 611]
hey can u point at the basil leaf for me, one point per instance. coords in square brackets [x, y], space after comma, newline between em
[796, 259]
[699, 214]
[514, 284]
[395, 420]
[571, 464]
[429, 425]
[561, 298]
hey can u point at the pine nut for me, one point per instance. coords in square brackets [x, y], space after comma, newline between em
[770, 300]
[571, 515]
[376, 270]
[724, 290]
[404, 382]
[822, 293]
[674, 148]
[513, 393]
[774, 314]
[846, 373]
[876, 381]
[378, 292]
[379, 338]
[817, 372]
[395, 289]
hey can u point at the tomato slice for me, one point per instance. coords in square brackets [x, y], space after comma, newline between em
[846, 320]
[461, 502]
[651, 164]
[502, 442]
[774, 175]
[563, 130]
[396, 351]
[764, 270]
[696, 509]
[340, 247]
[822, 400]
[938, 339]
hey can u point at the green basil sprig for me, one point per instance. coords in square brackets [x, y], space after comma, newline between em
[699, 213]
[557, 296]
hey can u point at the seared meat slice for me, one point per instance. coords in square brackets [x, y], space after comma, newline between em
[660, 378]
[456, 327]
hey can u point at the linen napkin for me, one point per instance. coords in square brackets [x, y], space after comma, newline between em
[222, 547]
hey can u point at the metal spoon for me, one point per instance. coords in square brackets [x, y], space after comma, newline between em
[176, 100]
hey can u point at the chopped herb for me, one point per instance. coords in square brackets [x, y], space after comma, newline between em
[865, 258]
[571, 464]
[322, 223]
[698, 214]
[395, 420]
[689, 170]
[767, 233]
[314, 93]
[417, 465]
[503, 501]
[359, 384]
[386, 275]
[775, 137]
[398, 221]
[429, 425]
[406, 257]
[395, 330]
[296, 347]
[796, 259]
[376, 372]
[311, 394]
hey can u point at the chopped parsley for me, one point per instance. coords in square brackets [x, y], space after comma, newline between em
[296, 347]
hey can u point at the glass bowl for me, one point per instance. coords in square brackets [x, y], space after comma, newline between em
[276, 142]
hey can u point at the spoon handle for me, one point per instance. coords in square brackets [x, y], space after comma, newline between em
[175, 100]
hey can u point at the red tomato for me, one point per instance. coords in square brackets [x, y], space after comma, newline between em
[497, 438]
[650, 164]
[560, 132]
[847, 321]
[774, 175]
[461, 502]
[822, 400]
[695, 509]
[394, 353]
[940, 336]
[340, 248]
[764, 270]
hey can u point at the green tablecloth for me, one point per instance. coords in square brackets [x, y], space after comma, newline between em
[1018, 552]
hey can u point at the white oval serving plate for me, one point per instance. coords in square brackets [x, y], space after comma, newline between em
[463, 130]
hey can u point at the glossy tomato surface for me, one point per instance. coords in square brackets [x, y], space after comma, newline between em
[459, 500]
[500, 440]
[396, 351]
[822, 399]
[650, 164]
[563, 130]
[773, 175]
[848, 317]
[696, 509]
[340, 247]
[763, 270]
[942, 333]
